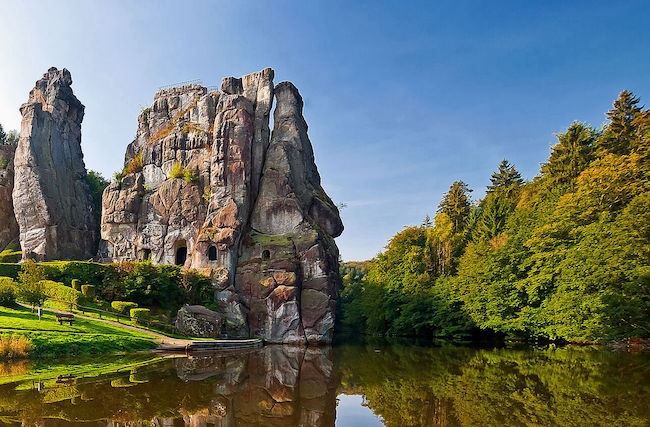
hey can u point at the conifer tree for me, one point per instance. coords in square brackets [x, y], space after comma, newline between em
[622, 128]
[457, 205]
[505, 177]
[571, 155]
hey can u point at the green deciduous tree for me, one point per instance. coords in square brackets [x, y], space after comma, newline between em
[31, 289]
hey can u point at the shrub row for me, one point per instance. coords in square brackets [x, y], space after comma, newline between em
[123, 306]
[9, 255]
[140, 314]
[61, 292]
[164, 286]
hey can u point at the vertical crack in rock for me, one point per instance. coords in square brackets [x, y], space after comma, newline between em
[206, 187]
[52, 200]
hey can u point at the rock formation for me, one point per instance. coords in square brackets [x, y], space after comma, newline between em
[8, 224]
[207, 187]
[52, 200]
[198, 321]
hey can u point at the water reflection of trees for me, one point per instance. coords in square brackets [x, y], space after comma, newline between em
[460, 386]
[405, 385]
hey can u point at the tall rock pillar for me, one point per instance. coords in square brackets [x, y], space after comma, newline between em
[288, 269]
[52, 200]
[8, 224]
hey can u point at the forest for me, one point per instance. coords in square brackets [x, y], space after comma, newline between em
[564, 257]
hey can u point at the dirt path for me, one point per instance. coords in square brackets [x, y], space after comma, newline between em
[160, 338]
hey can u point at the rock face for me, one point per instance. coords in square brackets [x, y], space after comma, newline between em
[207, 187]
[198, 321]
[8, 224]
[52, 200]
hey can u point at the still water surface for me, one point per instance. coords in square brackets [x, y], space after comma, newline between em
[346, 385]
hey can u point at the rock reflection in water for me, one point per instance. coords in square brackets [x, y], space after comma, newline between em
[279, 385]
[273, 386]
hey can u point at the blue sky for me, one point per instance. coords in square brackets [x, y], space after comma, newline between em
[402, 98]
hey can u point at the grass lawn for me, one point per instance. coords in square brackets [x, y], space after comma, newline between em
[84, 337]
[66, 307]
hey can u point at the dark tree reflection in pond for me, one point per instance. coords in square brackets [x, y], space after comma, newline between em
[289, 386]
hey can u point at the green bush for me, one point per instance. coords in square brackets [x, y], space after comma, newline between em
[177, 171]
[61, 292]
[7, 292]
[164, 286]
[140, 314]
[10, 256]
[190, 177]
[67, 271]
[88, 291]
[9, 270]
[76, 284]
[123, 306]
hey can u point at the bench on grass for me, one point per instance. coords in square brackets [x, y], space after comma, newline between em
[64, 318]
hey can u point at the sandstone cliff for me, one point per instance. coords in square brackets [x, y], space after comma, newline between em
[8, 224]
[205, 186]
[52, 201]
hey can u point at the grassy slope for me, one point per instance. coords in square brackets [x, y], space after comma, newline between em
[85, 336]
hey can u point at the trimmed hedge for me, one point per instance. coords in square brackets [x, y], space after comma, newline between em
[88, 291]
[123, 306]
[7, 292]
[66, 271]
[61, 292]
[76, 284]
[9, 270]
[139, 314]
[10, 256]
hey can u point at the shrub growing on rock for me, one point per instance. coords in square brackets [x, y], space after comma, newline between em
[123, 306]
[140, 314]
[177, 171]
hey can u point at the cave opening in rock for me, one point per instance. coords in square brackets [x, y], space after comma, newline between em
[181, 255]
[146, 254]
[212, 253]
[266, 254]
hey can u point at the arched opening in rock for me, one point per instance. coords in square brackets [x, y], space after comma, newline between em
[266, 254]
[212, 253]
[181, 255]
[146, 254]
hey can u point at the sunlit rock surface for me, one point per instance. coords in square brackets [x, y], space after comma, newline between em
[51, 197]
[8, 224]
[208, 186]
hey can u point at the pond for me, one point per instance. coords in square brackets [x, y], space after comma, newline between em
[344, 385]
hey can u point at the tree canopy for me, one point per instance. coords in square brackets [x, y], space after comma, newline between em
[563, 257]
